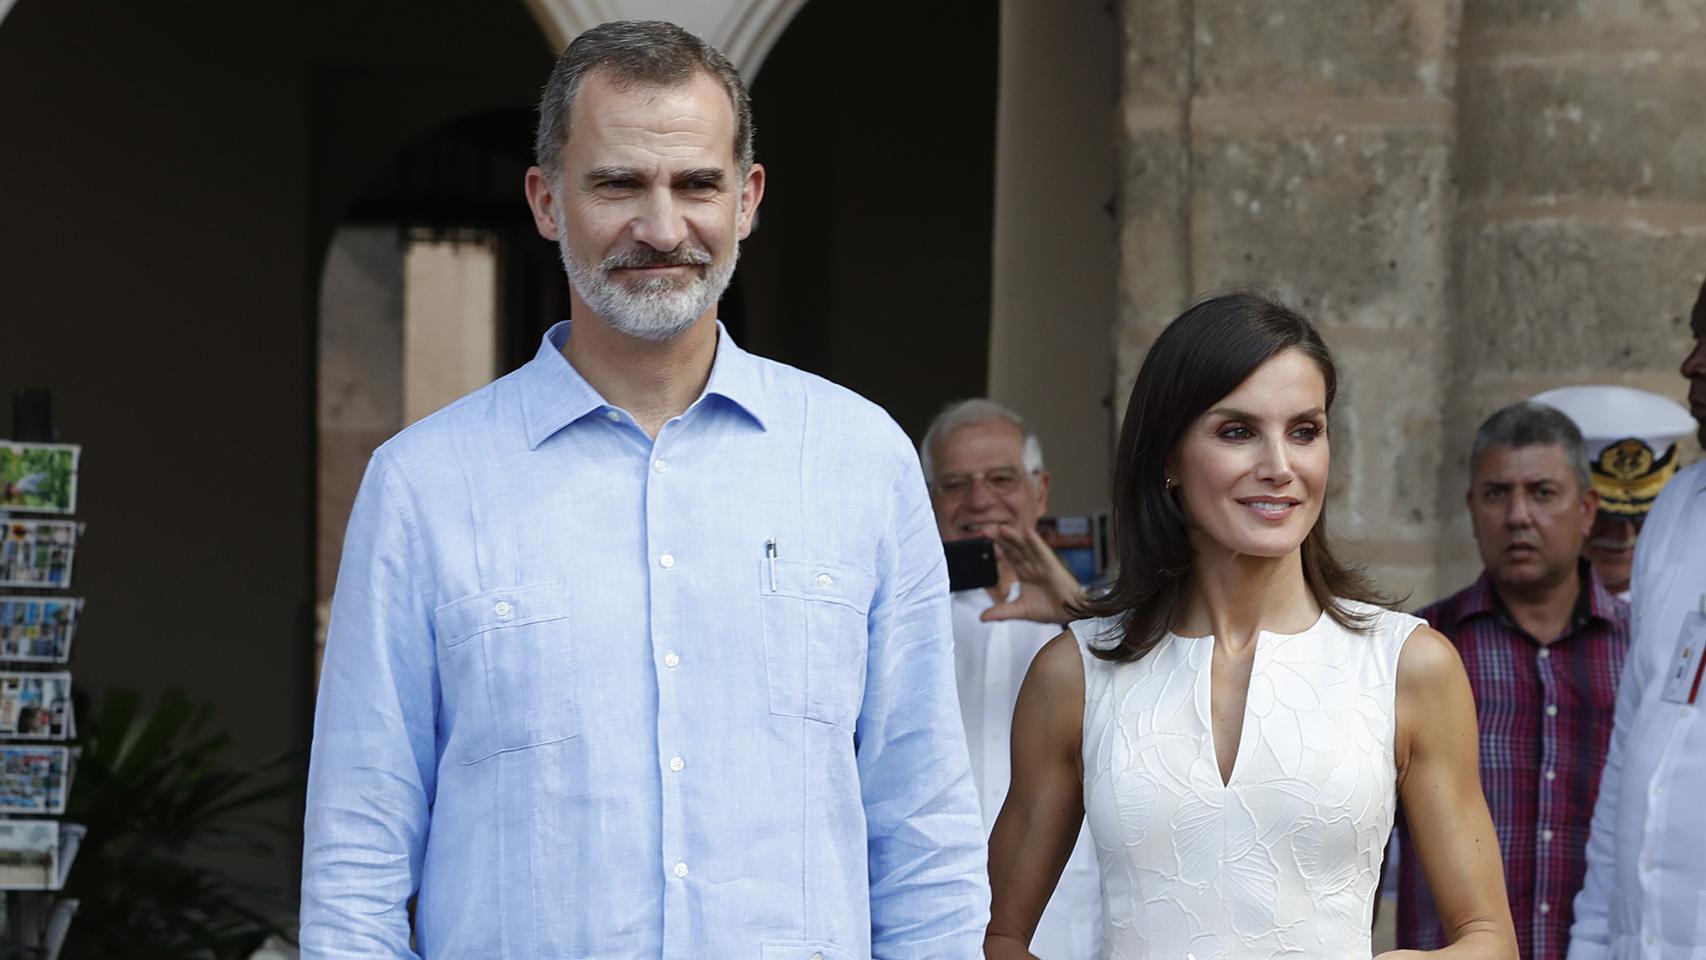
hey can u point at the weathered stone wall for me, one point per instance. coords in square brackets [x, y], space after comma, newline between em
[1307, 151]
[1581, 237]
[1476, 202]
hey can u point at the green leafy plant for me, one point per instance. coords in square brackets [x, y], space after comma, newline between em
[159, 800]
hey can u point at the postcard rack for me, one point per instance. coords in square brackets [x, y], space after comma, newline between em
[38, 620]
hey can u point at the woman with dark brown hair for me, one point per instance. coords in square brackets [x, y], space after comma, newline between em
[1240, 714]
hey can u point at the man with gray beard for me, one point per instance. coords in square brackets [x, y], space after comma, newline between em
[644, 649]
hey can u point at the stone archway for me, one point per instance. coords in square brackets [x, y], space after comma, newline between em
[744, 30]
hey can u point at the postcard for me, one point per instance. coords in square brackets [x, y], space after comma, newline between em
[36, 706]
[37, 553]
[39, 477]
[34, 779]
[38, 629]
[29, 855]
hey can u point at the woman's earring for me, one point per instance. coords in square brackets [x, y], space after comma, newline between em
[1169, 483]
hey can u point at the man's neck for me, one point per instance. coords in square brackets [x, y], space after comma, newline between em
[653, 381]
[1545, 612]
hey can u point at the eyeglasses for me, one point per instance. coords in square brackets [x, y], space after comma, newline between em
[999, 481]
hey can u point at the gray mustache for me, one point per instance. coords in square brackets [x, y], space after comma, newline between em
[647, 257]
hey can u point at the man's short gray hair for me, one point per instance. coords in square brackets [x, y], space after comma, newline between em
[634, 53]
[1529, 424]
[964, 413]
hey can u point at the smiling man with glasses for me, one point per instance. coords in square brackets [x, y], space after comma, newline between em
[987, 480]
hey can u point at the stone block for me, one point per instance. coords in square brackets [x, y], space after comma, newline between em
[1631, 127]
[1326, 48]
[1386, 440]
[1156, 49]
[1349, 224]
[1651, 17]
[1153, 284]
[1550, 297]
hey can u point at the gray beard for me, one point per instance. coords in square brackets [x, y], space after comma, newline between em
[658, 309]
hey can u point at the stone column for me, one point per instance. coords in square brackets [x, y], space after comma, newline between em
[1582, 230]
[1052, 289]
[1319, 143]
[1154, 281]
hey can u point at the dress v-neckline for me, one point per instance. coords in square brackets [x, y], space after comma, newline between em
[1243, 718]
[1264, 640]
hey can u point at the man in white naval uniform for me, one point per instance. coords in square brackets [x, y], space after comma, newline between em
[986, 477]
[1645, 893]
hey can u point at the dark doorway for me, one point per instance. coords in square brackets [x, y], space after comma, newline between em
[467, 177]
[870, 264]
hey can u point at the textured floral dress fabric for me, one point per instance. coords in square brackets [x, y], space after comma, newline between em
[1283, 859]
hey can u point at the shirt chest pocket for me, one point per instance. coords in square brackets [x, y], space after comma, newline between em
[815, 639]
[509, 668]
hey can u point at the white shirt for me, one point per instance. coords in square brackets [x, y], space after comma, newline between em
[990, 661]
[1645, 893]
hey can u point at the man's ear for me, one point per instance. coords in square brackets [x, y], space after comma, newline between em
[1590, 511]
[751, 193]
[1041, 482]
[542, 199]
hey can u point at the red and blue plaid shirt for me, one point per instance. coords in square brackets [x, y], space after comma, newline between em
[1544, 713]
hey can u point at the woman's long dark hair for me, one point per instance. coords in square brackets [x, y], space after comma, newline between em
[1200, 358]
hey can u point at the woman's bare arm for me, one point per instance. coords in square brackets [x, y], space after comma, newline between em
[1439, 780]
[1039, 823]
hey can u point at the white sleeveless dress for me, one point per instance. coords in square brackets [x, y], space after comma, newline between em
[1283, 860]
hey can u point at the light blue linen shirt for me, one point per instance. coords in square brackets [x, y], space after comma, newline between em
[574, 698]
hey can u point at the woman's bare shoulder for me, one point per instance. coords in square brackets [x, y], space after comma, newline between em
[1059, 666]
[1428, 661]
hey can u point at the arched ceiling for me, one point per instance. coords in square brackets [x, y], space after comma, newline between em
[744, 30]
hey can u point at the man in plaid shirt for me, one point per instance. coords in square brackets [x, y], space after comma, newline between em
[1543, 643]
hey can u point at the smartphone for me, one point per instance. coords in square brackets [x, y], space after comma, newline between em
[971, 563]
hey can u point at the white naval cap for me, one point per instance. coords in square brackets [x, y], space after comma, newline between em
[1631, 440]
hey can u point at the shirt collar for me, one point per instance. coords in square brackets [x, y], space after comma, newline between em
[1594, 602]
[554, 394]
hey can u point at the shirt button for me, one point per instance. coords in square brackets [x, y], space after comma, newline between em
[1551, 709]
[1551, 774]
[1544, 653]
[817, 956]
[680, 869]
[657, 465]
[1647, 868]
[824, 580]
[666, 561]
[676, 763]
[670, 660]
[501, 608]
[1544, 907]
[1546, 836]
[612, 414]
[1649, 939]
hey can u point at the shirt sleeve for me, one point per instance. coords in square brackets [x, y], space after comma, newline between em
[928, 858]
[372, 771]
[1590, 933]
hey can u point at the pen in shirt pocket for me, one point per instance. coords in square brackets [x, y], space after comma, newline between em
[770, 561]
